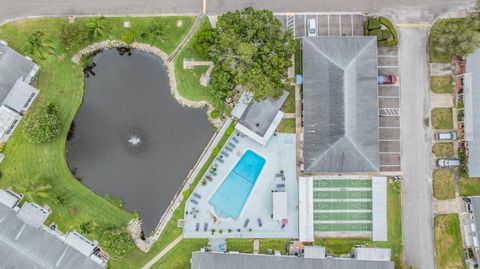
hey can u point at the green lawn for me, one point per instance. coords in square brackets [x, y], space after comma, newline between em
[441, 84]
[434, 56]
[179, 257]
[60, 81]
[443, 149]
[448, 243]
[289, 105]
[188, 81]
[287, 126]
[442, 118]
[469, 186]
[339, 246]
[246, 245]
[443, 185]
[139, 24]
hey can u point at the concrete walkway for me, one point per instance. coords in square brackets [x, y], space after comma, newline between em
[163, 252]
[451, 206]
[441, 100]
[441, 69]
[289, 116]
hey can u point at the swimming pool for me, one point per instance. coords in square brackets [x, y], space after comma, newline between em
[230, 198]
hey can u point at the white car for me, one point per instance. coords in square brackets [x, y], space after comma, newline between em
[448, 162]
[446, 135]
[312, 27]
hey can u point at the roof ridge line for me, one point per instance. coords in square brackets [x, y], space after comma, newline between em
[326, 151]
[361, 153]
[323, 54]
[359, 53]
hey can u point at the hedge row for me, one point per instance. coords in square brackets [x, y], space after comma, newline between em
[373, 27]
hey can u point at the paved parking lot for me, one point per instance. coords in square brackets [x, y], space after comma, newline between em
[350, 24]
[389, 112]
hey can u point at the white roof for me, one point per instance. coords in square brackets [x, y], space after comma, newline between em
[373, 254]
[379, 209]
[314, 252]
[305, 211]
[80, 243]
[7, 119]
[242, 105]
[279, 205]
[20, 96]
[33, 214]
[9, 198]
[263, 140]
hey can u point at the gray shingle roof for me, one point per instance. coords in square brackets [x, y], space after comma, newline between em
[24, 246]
[471, 98]
[20, 96]
[259, 115]
[340, 99]
[12, 67]
[204, 260]
[476, 214]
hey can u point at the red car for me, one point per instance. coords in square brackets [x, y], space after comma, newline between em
[386, 79]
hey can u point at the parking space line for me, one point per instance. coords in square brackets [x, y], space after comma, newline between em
[388, 97]
[388, 127]
[318, 28]
[340, 24]
[388, 152]
[328, 16]
[390, 165]
[351, 21]
[387, 66]
[389, 140]
[388, 56]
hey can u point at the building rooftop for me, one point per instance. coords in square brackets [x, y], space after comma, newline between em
[260, 118]
[475, 201]
[12, 67]
[201, 260]
[340, 104]
[9, 198]
[373, 254]
[314, 252]
[20, 96]
[471, 99]
[26, 246]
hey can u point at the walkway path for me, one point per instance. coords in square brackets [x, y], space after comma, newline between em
[163, 252]
[441, 99]
[451, 206]
[186, 38]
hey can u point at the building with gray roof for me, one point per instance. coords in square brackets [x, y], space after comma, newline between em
[472, 226]
[340, 105]
[259, 119]
[25, 242]
[471, 100]
[202, 260]
[16, 74]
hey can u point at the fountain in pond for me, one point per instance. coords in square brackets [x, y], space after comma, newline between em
[135, 140]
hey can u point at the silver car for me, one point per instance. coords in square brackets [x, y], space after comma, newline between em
[446, 135]
[448, 162]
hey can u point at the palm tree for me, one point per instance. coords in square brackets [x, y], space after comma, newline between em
[456, 38]
[98, 28]
[39, 44]
[156, 30]
[87, 227]
[30, 190]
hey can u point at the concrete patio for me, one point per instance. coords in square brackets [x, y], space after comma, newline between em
[256, 219]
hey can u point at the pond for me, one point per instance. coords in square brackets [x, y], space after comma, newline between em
[130, 138]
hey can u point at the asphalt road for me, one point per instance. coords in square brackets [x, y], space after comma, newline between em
[416, 146]
[403, 10]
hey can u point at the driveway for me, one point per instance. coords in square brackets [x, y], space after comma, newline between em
[416, 148]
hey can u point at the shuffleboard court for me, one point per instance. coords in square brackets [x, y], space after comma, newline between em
[343, 227]
[342, 183]
[342, 205]
[343, 216]
[342, 194]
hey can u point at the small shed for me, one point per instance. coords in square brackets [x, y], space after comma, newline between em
[279, 205]
[314, 252]
[9, 198]
[373, 254]
[80, 243]
[33, 214]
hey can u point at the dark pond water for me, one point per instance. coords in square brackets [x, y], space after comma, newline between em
[131, 138]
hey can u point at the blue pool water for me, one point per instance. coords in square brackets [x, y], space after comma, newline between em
[230, 198]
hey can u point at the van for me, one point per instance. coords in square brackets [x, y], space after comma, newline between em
[448, 162]
[312, 27]
[446, 135]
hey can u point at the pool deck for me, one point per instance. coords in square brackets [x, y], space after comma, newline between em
[280, 155]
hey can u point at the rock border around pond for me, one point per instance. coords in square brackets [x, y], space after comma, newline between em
[111, 44]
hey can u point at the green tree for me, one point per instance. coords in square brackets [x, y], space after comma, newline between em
[98, 28]
[87, 227]
[156, 31]
[73, 36]
[43, 125]
[39, 44]
[456, 37]
[116, 241]
[32, 190]
[250, 49]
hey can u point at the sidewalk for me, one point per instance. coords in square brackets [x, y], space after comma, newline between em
[163, 252]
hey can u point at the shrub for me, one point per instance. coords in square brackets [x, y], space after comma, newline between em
[116, 241]
[373, 23]
[73, 36]
[215, 151]
[230, 130]
[215, 114]
[43, 125]
[389, 26]
[2, 146]
[128, 36]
